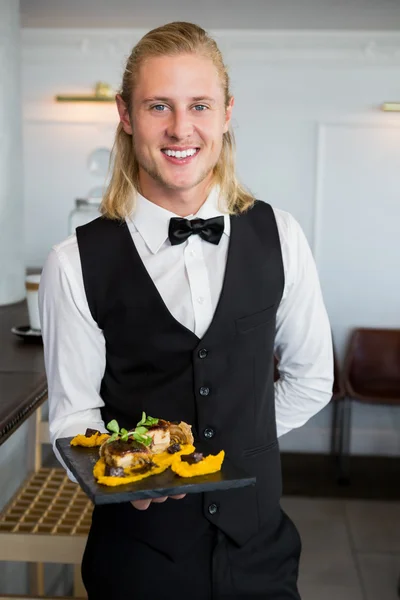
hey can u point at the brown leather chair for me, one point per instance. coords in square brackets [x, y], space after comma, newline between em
[371, 374]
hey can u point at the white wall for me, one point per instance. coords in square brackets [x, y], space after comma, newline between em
[311, 140]
[225, 14]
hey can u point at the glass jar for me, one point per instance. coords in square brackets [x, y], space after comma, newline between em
[86, 209]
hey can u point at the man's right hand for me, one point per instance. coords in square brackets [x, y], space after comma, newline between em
[144, 504]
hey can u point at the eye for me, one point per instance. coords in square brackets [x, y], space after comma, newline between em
[158, 107]
[200, 107]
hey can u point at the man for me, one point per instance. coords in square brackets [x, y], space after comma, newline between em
[174, 303]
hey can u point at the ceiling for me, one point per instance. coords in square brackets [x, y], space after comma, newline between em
[214, 14]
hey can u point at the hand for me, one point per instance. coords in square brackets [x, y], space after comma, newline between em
[144, 504]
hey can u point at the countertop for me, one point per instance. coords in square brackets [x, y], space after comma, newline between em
[23, 386]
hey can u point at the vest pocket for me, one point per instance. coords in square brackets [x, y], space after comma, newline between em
[259, 318]
[259, 449]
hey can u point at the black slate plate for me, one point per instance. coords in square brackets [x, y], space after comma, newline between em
[81, 461]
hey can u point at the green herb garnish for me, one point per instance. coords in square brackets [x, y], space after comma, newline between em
[113, 426]
[138, 434]
[147, 421]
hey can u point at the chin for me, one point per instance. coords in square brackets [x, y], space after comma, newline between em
[181, 186]
[189, 183]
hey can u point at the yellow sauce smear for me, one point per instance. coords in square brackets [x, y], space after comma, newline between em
[89, 442]
[100, 468]
[165, 458]
[163, 462]
[209, 464]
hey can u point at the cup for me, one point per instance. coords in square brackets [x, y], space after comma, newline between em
[32, 298]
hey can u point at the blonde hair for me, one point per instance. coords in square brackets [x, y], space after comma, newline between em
[171, 39]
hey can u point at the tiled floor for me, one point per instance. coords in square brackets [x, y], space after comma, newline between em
[351, 548]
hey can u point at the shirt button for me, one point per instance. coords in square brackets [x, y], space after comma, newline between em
[192, 253]
[204, 391]
[200, 299]
[213, 509]
[208, 433]
[202, 353]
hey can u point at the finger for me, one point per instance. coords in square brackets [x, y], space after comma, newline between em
[141, 504]
[161, 499]
[178, 497]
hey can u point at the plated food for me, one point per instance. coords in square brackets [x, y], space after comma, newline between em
[153, 446]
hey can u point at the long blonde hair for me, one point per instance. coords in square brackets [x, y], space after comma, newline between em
[171, 39]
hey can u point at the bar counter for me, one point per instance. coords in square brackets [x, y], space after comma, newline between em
[23, 386]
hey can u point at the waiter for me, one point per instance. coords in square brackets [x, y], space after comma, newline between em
[174, 302]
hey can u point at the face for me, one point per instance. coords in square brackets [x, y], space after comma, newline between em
[178, 120]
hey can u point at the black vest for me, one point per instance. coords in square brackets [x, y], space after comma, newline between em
[222, 383]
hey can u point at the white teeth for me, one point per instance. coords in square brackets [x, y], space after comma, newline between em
[180, 153]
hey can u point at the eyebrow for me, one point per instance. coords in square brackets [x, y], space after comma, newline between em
[169, 100]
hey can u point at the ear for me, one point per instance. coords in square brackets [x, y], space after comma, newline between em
[228, 114]
[123, 114]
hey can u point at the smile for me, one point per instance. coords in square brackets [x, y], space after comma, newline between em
[180, 156]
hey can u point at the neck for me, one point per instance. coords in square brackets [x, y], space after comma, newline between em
[179, 202]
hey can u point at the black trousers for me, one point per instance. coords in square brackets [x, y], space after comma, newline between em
[214, 569]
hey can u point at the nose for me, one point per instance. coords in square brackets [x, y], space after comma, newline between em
[180, 126]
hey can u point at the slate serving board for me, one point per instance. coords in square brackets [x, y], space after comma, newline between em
[81, 461]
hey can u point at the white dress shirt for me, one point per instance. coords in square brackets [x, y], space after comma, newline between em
[189, 278]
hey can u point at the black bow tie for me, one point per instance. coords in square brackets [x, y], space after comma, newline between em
[210, 230]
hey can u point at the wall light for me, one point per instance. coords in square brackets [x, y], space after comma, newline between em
[103, 92]
[391, 106]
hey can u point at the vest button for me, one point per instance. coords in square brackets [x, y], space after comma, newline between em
[204, 391]
[213, 509]
[203, 353]
[208, 433]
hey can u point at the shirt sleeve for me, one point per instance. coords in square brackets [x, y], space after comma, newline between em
[74, 352]
[303, 341]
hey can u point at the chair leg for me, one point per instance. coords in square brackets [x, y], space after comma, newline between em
[335, 431]
[79, 588]
[36, 579]
[345, 439]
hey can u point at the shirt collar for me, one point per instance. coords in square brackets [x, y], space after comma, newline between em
[152, 221]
